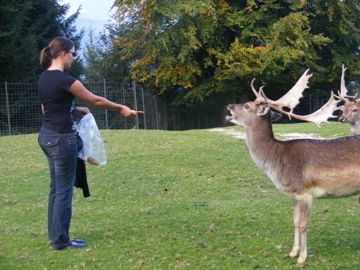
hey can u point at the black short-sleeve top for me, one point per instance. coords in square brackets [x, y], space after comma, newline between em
[53, 92]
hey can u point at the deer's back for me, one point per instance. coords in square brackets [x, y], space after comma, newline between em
[330, 168]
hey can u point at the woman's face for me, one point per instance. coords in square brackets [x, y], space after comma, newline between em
[69, 57]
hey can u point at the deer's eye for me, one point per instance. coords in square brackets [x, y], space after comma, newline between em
[246, 106]
[354, 110]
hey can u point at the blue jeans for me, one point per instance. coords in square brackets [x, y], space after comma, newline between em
[61, 151]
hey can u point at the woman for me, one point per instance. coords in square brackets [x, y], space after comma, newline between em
[57, 136]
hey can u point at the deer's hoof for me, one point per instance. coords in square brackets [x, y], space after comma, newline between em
[300, 261]
[287, 256]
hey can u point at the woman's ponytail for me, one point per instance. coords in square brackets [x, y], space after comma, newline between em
[45, 57]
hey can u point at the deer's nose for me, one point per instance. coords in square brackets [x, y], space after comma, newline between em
[230, 107]
[341, 119]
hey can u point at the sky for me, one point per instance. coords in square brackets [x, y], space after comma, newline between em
[93, 14]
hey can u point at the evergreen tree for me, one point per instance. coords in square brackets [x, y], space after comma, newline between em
[93, 57]
[26, 26]
[102, 59]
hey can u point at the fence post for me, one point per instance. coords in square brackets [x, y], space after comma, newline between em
[174, 118]
[106, 112]
[143, 103]
[124, 101]
[165, 116]
[135, 103]
[7, 108]
[156, 113]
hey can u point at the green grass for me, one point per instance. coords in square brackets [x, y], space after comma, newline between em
[170, 200]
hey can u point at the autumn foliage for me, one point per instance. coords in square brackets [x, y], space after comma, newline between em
[199, 48]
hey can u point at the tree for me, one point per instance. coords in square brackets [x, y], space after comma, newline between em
[93, 56]
[101, 59]
[26, 26]
[210, 48]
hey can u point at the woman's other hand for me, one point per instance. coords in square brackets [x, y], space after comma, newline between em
[82, 111]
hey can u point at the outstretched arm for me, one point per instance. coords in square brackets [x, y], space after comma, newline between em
[80, 91]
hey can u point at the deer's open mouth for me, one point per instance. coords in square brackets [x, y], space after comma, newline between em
[228, 117]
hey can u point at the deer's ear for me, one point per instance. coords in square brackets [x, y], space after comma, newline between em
[262, 110]
[275, 116]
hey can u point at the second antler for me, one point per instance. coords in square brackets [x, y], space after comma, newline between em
[343, 94]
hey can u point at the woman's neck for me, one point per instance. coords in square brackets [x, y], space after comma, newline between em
[56, 65]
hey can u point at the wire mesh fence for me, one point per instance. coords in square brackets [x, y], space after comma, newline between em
[20, 110]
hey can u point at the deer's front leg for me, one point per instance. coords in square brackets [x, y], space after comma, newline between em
[305, 204]
[302, 209]
[296, 246]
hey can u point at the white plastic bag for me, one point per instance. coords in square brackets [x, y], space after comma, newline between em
[93, 150]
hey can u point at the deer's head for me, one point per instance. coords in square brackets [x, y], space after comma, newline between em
[350, 112]
[351, 108]
[251, 112]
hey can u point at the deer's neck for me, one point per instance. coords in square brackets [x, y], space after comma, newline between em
[355, 128]
[266, 151]
[262, 145]
[260, 136]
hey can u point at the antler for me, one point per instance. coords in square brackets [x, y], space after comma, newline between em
[257, 94]
[343, 94]
[343, 89]
[291, 99]
[318, 117]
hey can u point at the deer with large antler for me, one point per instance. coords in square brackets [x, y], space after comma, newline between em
[351, 108]
[304, 169]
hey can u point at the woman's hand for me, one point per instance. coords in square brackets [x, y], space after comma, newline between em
[126, 111]
[82, 111]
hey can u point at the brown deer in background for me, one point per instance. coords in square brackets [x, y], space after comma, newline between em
[351, 108]
[304, 169]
